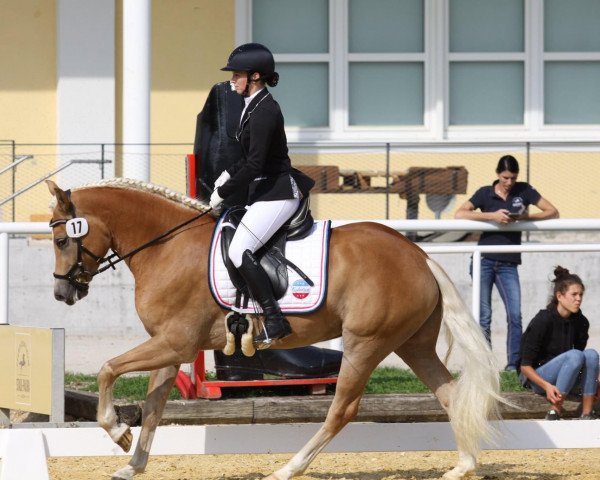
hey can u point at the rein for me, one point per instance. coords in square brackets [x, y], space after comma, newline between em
[79, 277]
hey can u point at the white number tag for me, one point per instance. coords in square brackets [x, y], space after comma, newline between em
[77, 227]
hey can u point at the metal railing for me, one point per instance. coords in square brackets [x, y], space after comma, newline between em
[48, 175]
[552, 167]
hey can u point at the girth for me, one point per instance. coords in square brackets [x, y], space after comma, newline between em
[272, 254]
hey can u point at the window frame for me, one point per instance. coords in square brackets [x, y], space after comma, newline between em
[436, 60]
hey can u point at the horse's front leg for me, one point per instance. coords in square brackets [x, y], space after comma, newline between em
[353, 376]
[160, 385]
[106, 415]
[153, 354]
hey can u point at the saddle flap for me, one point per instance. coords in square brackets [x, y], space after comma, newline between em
[231, 219]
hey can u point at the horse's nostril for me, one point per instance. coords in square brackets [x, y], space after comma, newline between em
[62, 298]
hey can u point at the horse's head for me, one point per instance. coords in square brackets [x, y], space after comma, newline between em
[75, 264]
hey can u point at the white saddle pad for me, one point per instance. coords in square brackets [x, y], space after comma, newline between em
[309, 254]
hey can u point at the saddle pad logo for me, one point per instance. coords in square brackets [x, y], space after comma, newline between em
[300, 289]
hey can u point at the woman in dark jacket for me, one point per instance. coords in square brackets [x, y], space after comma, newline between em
[554, 358]
[274, 187]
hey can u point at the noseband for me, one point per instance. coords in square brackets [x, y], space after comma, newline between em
[80, 278]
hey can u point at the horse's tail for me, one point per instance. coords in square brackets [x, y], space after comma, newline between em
[475, 400]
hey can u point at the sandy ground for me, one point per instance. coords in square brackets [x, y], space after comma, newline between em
[516, 465]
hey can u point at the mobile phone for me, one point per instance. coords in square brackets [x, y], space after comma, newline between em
[514, 215]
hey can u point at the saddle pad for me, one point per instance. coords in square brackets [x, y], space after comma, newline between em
[309, 254]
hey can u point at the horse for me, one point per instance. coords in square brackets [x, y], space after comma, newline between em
[384, 295]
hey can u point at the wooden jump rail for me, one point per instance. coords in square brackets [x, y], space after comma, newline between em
[383, 408]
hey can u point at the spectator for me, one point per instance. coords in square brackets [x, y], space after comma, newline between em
[504, 202]
[554, 360]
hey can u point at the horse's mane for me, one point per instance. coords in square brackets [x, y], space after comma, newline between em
[131, 184]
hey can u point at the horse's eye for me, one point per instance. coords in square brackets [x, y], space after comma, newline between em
[61, 242]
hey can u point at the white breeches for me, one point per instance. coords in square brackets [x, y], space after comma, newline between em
[259, 224]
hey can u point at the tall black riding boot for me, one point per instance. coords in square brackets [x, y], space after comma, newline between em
[259, 285]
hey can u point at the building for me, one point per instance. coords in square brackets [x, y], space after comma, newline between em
[354, 73]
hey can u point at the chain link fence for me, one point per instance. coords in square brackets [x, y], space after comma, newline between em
[368, 181]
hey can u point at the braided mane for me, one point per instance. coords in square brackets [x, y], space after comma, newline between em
[131, 184]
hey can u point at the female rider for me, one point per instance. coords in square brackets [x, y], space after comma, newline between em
[274, 187]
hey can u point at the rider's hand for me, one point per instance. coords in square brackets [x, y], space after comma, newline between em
[222, 179]
[215, 199]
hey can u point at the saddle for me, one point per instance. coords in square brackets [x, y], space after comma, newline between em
[272, 255]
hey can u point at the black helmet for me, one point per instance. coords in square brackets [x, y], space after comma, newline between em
[253, 57]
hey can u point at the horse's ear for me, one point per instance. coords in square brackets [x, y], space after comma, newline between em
[61, 197]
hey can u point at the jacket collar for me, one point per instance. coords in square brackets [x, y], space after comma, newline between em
[571, 318]
[260, 96]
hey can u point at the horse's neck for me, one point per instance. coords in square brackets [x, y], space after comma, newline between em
[134, 218]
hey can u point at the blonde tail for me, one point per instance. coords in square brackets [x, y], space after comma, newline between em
[475, 400]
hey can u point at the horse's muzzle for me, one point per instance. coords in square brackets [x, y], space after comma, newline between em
[65, 292]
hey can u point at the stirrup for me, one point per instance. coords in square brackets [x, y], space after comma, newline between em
[263, 340]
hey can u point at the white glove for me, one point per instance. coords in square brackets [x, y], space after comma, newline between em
[222, 179]
[215, 200]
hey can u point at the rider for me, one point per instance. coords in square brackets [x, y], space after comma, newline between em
[274, 187]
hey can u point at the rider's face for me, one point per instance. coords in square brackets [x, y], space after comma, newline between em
[239, 80]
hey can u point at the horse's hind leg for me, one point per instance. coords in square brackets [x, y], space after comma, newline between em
[420, 355]
[159, 386]
[357, 365]
[436, 376]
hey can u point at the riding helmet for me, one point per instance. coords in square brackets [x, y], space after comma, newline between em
[253, 57]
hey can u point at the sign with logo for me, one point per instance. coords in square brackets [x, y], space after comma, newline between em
[27, 361]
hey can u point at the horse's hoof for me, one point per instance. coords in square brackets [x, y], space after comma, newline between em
[125, 473]
[125, 441]
[456, 474]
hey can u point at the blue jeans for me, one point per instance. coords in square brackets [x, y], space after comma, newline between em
[506, 278]
[573, 372]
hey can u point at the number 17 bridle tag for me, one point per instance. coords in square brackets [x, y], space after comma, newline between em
[77, 227]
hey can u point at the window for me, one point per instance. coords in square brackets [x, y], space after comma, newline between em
[571, 62]
[431, 69]
[385, 83]
[299, 38]
[486, 62]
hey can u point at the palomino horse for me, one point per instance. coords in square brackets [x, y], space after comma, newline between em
[384, 295]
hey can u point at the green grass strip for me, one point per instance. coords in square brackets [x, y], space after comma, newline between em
[384, 380]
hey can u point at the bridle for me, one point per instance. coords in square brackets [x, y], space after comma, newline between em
[77, 228]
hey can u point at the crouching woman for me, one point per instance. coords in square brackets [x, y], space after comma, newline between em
[554, 358]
